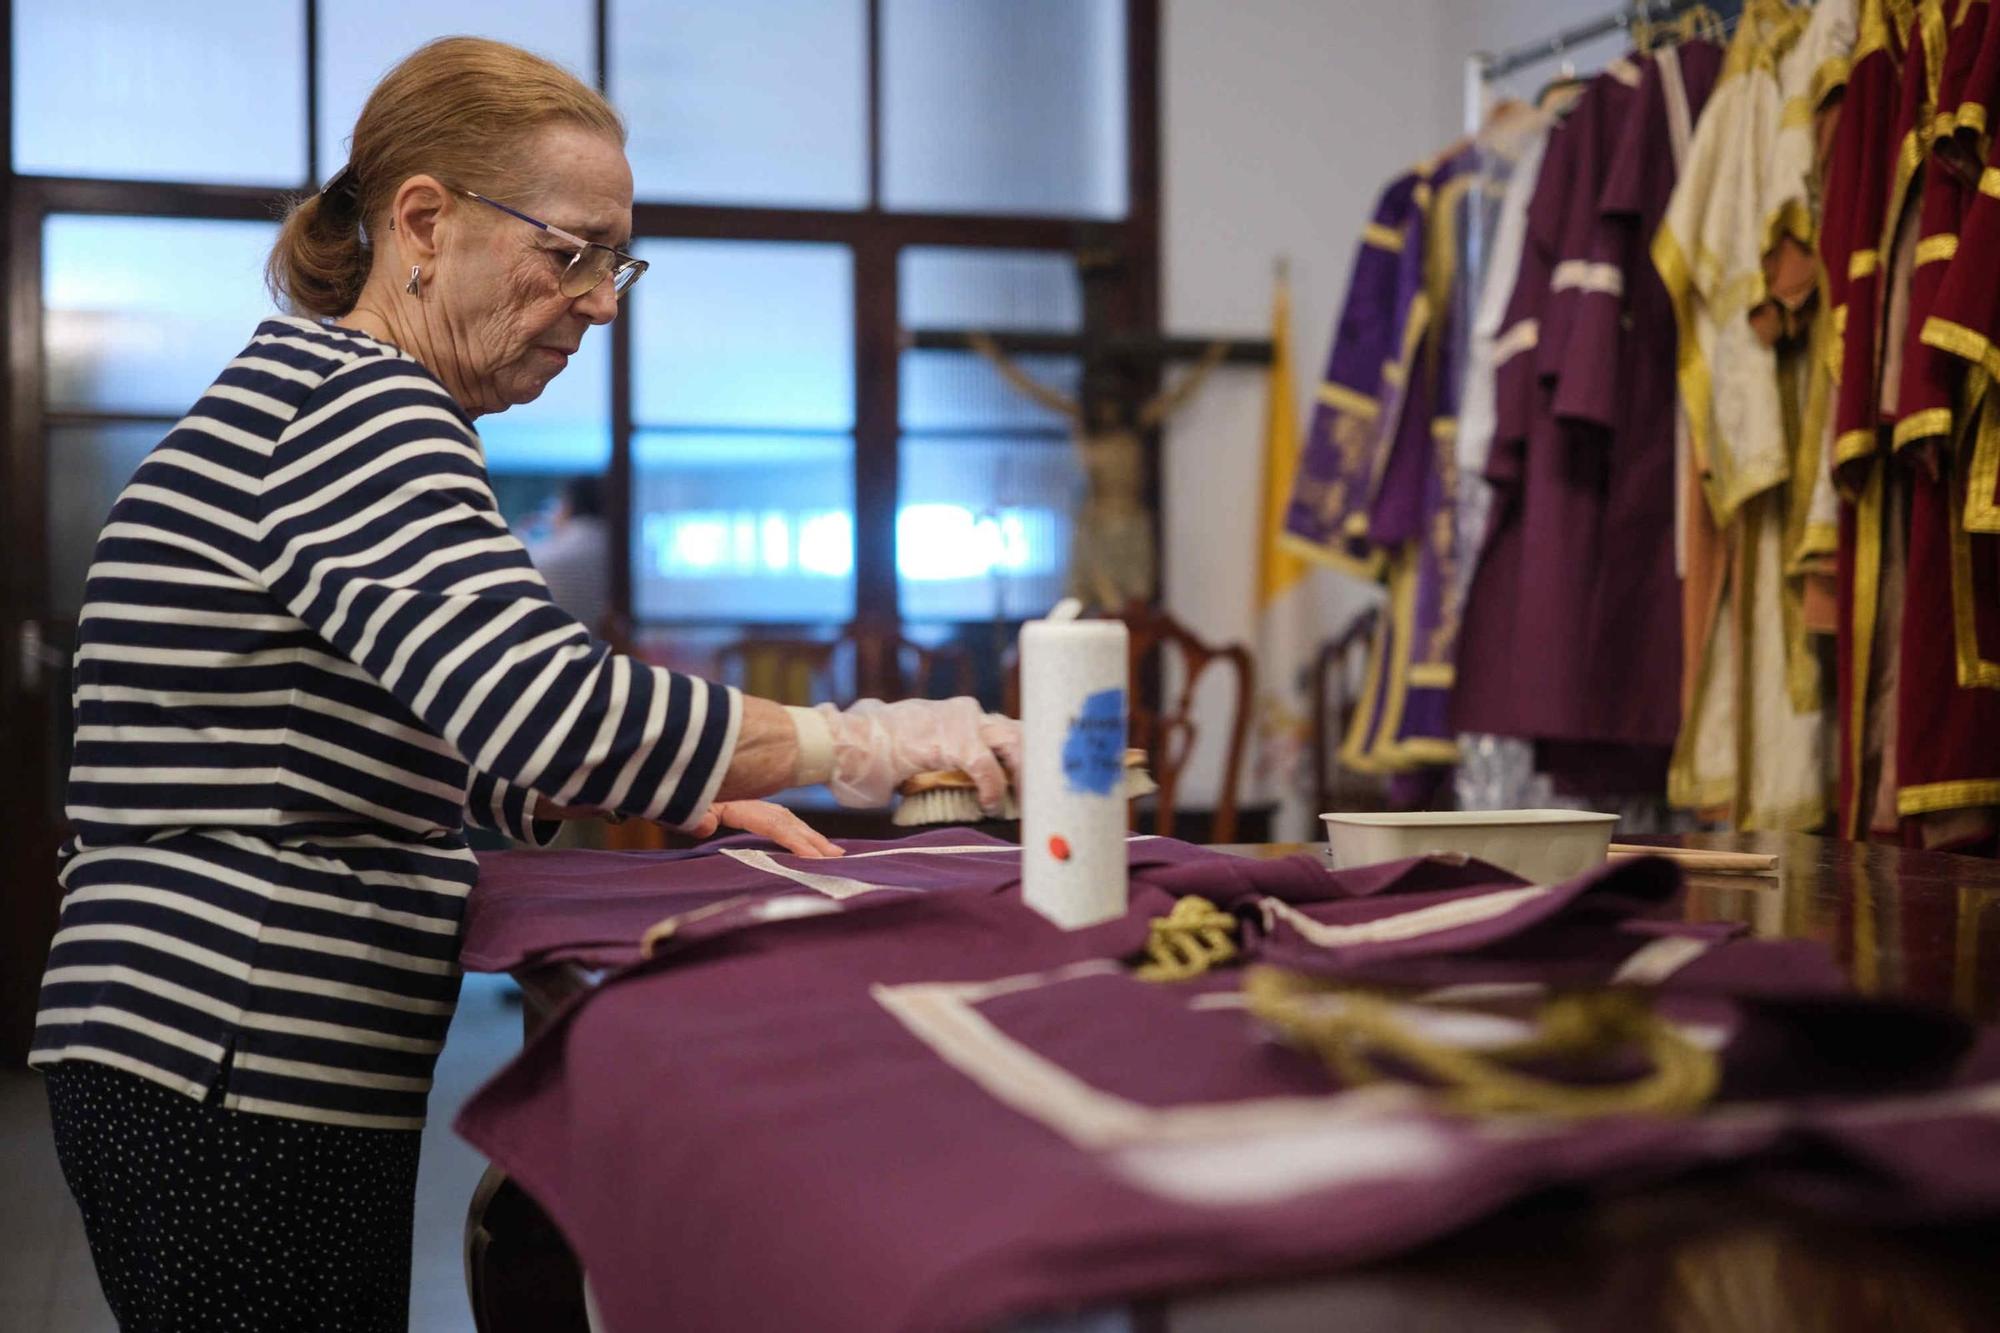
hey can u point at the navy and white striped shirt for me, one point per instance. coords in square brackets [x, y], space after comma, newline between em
[310, 652]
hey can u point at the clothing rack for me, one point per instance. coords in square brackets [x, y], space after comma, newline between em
[1482, 67]
[1533, 53]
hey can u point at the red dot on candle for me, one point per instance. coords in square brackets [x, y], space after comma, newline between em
[1059, 847]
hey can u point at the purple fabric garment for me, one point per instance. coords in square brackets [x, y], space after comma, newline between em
[1570, 633]
[1619, 392]
[1335, 935]
[593, 907]
[1360, 400]
[1556, 645]
[1497, 676]
[944, 1113]
[1414, 514]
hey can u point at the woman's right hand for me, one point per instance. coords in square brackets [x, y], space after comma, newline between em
[877, 746]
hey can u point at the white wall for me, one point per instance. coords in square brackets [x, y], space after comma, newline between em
[1282, 119]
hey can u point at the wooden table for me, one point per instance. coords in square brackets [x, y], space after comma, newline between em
[1922, 925]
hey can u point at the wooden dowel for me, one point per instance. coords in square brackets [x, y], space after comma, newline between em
[1704, 861]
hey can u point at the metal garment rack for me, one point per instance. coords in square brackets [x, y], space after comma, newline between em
[1482, 67]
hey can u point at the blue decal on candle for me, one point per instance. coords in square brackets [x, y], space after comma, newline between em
[1093, 756]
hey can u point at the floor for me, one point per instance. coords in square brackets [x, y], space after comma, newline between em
[46, 1281]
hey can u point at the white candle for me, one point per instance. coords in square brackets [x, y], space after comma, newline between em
[1073, 810]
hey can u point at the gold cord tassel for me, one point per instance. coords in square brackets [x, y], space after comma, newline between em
[1188, 941]
[1355, 1030]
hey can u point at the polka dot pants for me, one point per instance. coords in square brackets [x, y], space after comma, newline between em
[202, 1218]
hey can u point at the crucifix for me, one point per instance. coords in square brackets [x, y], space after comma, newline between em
[1113, 547]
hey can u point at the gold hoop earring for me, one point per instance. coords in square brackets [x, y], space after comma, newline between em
[411, 286]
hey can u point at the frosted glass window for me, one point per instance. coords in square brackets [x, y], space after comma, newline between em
[1002, 289]
[982, 526]
[565, 432]
[139, 90]
[361, 40]
[87, 467]
[742, 526]
[951, 288]
[1004, 106]
[743, 333]
[141, 314]
[750, 102]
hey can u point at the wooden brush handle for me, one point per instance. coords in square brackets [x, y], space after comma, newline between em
[1696, 859]
[944, 779]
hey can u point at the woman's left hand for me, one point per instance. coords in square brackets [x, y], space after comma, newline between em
[766, 820]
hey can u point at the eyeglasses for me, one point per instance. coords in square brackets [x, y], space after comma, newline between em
[591, 264]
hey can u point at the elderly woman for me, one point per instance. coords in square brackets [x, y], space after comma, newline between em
[311, 653]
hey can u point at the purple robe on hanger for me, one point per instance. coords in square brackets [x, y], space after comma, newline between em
[1414, 515]
[1572, 627]
[1618, 392]
[1522, 657]
[1360, 398]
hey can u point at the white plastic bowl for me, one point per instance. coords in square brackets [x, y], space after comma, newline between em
[1541, 846]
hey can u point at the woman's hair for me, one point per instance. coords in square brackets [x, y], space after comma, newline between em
[462, 108]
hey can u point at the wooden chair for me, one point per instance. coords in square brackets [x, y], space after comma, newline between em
[889, 666]
[864, 661]
[1168, 732]
[786, 670]
[520, 1274]
[1333, 708]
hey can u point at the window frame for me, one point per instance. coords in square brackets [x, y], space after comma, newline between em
[27, 723]
[874, 236]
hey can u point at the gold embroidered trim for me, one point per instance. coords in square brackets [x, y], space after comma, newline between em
[1867, 577]
[1982, 505]
[1924, 425]
[1974, 670]
[1966, 344]
[1853, 444]
[1382, 238]
[1678, 278]
[1933, 249]
[1351, 401]
[1367, 568]
[1922, 800]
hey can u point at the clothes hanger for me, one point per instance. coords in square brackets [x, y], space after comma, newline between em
[1564, 80]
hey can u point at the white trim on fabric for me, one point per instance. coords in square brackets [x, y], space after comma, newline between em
[1584, 276]
[1653, 964]
[1680, 117]
[1522, 337]
[943, 1016]
[833, 886]
[1430, 920]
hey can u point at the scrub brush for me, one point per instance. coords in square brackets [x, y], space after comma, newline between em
[950, 797]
